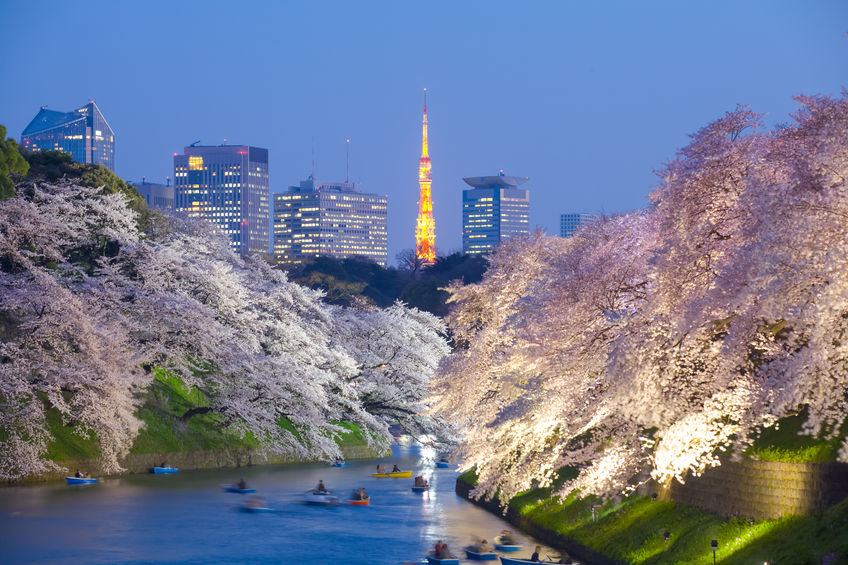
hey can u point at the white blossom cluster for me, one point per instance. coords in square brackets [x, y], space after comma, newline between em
[90, 305]
[649, 343]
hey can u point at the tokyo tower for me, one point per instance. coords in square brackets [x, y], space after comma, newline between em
[425, 229]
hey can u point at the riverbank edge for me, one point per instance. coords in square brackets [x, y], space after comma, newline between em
[554, 539]
[140, 463]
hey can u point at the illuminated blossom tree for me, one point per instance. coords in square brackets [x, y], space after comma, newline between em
[656, 340]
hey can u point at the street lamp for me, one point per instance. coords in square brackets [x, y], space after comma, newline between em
[714, 547]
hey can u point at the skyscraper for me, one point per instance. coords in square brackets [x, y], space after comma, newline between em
[227, 185]
[568, 223]
[333, 219]
[425, 228]
[493, 210]
[83, 133]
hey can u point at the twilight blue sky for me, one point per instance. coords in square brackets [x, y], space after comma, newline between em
[585, 98]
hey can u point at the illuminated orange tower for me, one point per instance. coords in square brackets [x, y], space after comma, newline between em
[425, 229]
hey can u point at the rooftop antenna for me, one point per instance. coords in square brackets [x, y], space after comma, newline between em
[195, 143]
[347, 174]
[313, 158]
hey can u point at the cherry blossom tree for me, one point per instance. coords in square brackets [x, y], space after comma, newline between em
[396, 351]
[90, 304]
[654, 341]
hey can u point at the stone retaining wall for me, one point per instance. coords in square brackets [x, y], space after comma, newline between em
[549, 537]
[763, 489]
[217, 459]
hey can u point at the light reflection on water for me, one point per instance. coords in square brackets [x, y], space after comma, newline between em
[186, 518]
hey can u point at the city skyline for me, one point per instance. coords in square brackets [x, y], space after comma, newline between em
[561, 102]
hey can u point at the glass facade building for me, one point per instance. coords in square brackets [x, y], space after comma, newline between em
[82, 133]
[227, 185]
[332, 219]
[493, 210]
[569, 223]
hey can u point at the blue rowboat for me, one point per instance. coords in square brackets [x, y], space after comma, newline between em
[506, 547]
[442, 464]
[164, 470]
[339, 463]
[441, 561]
[516, 561]
[420, 489]
[81, 480]
[474, 555]
[235, 488]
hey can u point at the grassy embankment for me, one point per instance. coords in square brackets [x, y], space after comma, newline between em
[632, 530]
[165, 402]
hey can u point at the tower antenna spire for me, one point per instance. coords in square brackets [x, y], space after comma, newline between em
[347, 172]
[425, 228]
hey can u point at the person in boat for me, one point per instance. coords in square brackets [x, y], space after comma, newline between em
[420, 481]
[445, 553]
[535, 557]
[395, 470]
[437, 549]
[484, 547]
[241, 484]
[321, 487]
[380, 468]
[79, 475]
[360, 494]
[507, 538]
[255, 502]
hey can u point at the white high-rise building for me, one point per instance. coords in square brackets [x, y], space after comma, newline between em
[332, 219]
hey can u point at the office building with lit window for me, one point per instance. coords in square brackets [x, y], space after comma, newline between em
[493, 210]
[333, 219]
[83, 133]
[569, 223]
[227, 185]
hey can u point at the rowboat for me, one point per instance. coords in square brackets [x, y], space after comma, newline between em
[164, 470]
[81, 480]
[396, 475]
[516, 561]
[338, 463]
[475, 555]
[320, 498]
[359, 502]
[235, 488]
[442, 464]
[420, 489]
[441, 560]
[506, 547]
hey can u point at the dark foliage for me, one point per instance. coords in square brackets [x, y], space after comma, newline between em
[348, 280]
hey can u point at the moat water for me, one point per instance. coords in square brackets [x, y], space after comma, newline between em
[187, 518]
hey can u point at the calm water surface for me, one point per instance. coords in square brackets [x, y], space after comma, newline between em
[187, 518]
